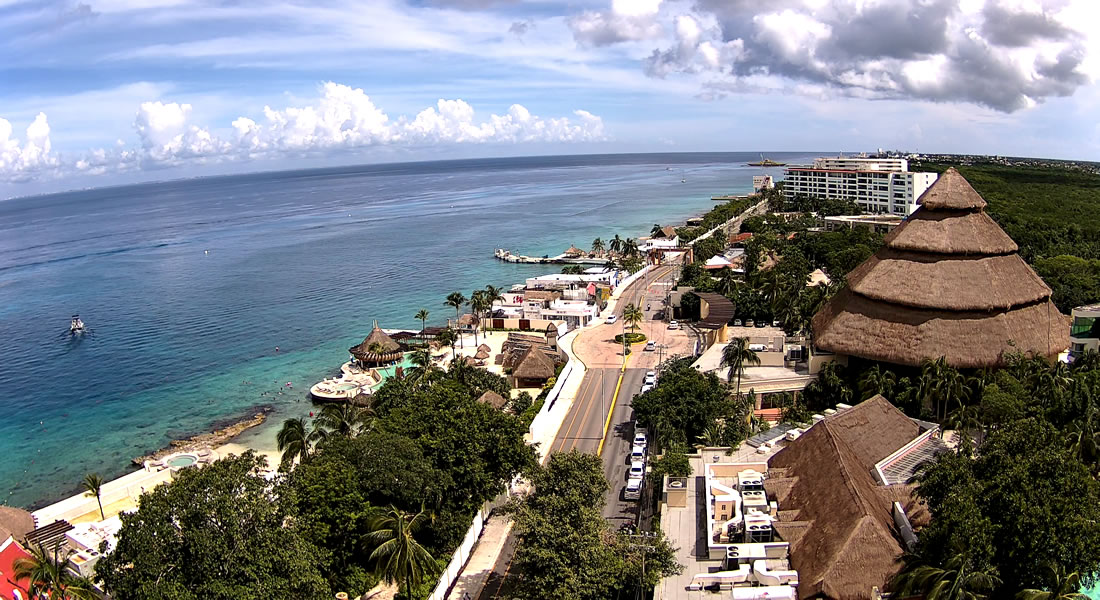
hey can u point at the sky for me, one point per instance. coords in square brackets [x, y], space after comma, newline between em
[103, 92]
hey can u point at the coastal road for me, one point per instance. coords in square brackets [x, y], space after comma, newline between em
[583, 426]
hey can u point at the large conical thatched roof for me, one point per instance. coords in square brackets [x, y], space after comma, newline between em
[14, 522]
[947, 282]
[389, 347]
[493, 399]
[534, 365]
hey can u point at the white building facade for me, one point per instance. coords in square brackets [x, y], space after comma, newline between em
[877, 185]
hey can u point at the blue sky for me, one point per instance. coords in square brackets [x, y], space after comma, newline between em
[99, 92]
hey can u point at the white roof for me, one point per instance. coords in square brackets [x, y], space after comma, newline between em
[718, 261]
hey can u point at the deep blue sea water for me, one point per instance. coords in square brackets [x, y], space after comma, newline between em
[190, 285]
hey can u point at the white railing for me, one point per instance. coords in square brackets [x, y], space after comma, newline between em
[461, 555]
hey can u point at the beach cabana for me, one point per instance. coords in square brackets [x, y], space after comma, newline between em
[482, 354]
[493, 399]
[15, 522]
[484, 347]
[574, 252]
[533, 369]
[378, 348]
[947, 282]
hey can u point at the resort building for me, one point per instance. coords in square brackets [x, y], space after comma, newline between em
[1085, 332]
[947, 282]
[762, 182]
[877, 185]
[875, 223]
[821, 512]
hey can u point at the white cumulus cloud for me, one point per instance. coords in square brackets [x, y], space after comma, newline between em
[628, 20]
[341, 118]
[22, 162]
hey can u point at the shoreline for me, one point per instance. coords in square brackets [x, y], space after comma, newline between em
[224, 431]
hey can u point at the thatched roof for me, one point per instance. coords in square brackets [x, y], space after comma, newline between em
[534, 365]
[493, 399]
[843, 542]
[574, 251]
[482, 354]
[484, 347]
[14, 522]
[947, 282]
[376, 336]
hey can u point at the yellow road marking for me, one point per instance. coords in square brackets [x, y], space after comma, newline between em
[580, 395]
[584, 419]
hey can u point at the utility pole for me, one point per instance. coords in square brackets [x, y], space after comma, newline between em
[642, 540]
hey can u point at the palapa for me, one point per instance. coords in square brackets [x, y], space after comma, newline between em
[15, 522]
[482, 354]
[574, 251]
[377, 339]
[534, 365]
[947, 282]
[493, 399]
[836, 518]
[484, 347]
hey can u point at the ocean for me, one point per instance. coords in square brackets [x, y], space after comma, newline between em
[189, 286]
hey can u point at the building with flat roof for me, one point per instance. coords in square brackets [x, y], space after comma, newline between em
[876, 223]
[877, 185]
[1084, 334]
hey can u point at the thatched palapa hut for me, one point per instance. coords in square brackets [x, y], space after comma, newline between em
[377, 348]
[948, 282]
[493, 399]
[15, 522]
[533, 369]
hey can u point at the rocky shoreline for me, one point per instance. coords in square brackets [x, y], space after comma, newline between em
[211, 440]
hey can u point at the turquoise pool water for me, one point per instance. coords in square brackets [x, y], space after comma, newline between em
[404, 363]
[184, 460]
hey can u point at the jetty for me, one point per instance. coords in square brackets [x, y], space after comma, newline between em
[566, 258]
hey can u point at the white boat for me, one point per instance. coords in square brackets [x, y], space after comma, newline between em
[76, 325]
[353, 382]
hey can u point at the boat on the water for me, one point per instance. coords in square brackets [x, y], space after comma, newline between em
[76, 325]
[354, 381]
[767, 162]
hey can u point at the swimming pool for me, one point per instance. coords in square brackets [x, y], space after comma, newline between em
[405, 363]
[180, 461]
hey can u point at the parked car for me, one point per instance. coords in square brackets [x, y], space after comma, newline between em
[645, 388]
[650, 346]
[637, 469]
[673, 325]
[651, 378]
[640, 440]
[633, 489]
[637, 453]
[749, 323]
[610, 320]
[737, 322]
[776, 323]
[761, 324]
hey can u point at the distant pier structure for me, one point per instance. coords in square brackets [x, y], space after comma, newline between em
[569, 257]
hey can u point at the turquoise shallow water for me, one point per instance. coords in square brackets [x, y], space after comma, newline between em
[189, 286]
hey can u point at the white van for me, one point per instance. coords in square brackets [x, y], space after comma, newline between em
[633, 489]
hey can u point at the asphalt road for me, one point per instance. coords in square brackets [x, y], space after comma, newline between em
[582, 428]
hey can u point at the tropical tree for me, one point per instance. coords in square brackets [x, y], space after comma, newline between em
[422, 316]
[93, 485]
[422, 370]
[1062, 586]
[479, 303]
[737, 355]
[456, 301]
[344, 419]
[957, 579]
[1083, 441]
[448, 337]
[727, 282]
[493, 294]
[630, 247]
[295, 441]
[877, 380]
[616, 244]
[597, 246]
[48, 576]
[633, 316]
[398, 557]
[943, 385]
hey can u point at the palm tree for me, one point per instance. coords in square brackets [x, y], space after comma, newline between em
[656, 231]
[727, 281]
[456, 301]
[1062, 587]
[877, 380]
[737, 355]
[344, 419]
[294, 441]
[597, 246]
[1083, 441]
[93, 484]
[633, 316]
[493, 294]
[712, 436]
[479, 303]
[957, 579]
[422, 370]
[422, 316]
[943, 385]
[616, 244]
[630, 247]
[398, 557]
[965, 418]
[448, 337]
[48, 575]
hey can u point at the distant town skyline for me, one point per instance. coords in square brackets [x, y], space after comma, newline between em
[101, 92]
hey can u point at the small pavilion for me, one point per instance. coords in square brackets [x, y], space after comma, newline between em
[377, 349]
[947, 282]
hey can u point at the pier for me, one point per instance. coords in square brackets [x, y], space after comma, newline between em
[561, 259]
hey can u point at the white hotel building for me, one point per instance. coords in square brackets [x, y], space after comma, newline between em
[877, 185]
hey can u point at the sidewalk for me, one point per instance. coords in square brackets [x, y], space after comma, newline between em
[475, 574]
